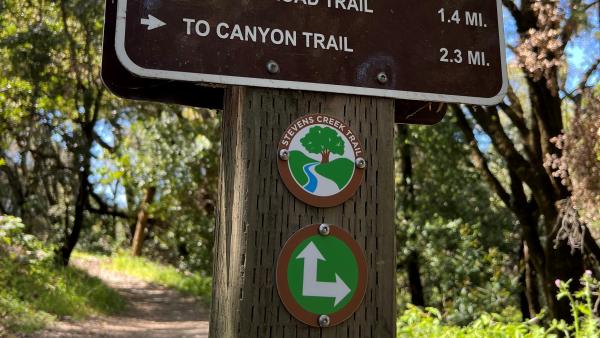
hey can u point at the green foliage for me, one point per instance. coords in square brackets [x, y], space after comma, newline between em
[187, 283]
[33, 291]
[51, 99]
[428, 323]
[465, 239]
[17, 315]
[13, 236]
[463, 277]
[586, 322]
[176, 151]
[323, 139]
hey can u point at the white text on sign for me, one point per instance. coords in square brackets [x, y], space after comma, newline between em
[346, 5]
[266, 35]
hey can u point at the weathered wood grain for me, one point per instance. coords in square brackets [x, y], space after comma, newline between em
[257, 214]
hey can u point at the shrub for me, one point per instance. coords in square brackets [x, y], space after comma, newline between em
[34, 291]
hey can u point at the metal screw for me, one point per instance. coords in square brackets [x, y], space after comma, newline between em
[361, 163]
[324, 321]
[324, 230]
[382, 78]
[273, 67]
[284, 154]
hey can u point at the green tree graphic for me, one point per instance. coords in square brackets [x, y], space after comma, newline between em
[324, 141]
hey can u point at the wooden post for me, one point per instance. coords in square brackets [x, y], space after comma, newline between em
[257, 214]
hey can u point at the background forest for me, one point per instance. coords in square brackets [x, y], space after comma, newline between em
[495, 205]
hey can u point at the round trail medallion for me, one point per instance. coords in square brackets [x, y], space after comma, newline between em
[321, 160]
[321, 275]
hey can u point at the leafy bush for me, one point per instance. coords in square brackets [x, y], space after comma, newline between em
[418, 323]
[428, 322]
[481, 275]
[34, 291]
[584, 303]
[14, 239]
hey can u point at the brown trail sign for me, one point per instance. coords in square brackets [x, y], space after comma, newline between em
[124, 84]
[216, 54]
[445, 51]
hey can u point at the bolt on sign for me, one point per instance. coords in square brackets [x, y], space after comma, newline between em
[321, 160]
[445, 51]
[322, 275]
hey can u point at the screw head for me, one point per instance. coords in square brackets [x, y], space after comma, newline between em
[361, 163]
[382, 78]
[324, 321]
[324, 230]
[284, 154]
[273, 67]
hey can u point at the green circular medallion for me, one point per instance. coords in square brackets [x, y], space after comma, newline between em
[321, 273]
[336, 274]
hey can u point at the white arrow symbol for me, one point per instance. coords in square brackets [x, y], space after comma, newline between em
[152, 22]
[313, 288]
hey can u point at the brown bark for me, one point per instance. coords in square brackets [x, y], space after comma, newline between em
[142, 221]
[325, 156]
[531, 288]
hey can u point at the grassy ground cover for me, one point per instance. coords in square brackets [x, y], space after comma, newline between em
[34, 291]
[168, 276]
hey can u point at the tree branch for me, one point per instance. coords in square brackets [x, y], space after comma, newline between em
[525, 214]
[513, 9]
[516, 119]
[528, 172]
[479, 159]
[110, 212]
[515, 113]
[570, 26]
[104, 209]
[586, 76]
[72, 46]
[489, 120]
[101, 142]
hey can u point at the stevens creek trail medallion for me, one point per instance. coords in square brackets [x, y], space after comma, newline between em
[321, 160]
[321, 275]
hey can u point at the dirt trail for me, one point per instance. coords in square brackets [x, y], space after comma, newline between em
[152, 311]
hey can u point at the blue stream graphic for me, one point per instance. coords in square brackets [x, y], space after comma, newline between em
[311, 186]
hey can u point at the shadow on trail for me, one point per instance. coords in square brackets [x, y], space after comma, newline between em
[152, 311]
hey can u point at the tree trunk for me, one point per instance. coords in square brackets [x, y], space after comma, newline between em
[564, 265]
[529, 285]
[142, 221]
[80, 206]
[256, 214]
[417, 296]
[325, 157]
[408, 204]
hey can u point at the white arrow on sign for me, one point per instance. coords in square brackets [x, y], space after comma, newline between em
[313, 288]
[152, 22]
